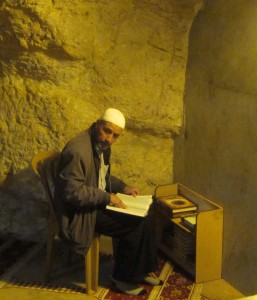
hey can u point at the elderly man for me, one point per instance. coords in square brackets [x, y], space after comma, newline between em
[83, 189]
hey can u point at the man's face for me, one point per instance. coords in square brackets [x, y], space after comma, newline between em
[106, 134]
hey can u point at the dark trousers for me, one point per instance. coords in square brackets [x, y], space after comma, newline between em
[135, 253]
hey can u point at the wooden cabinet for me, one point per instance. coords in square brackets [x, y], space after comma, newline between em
[198, 250]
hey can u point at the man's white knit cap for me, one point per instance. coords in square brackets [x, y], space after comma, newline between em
[114, 116]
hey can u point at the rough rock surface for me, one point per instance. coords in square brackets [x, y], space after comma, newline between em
[62, 63]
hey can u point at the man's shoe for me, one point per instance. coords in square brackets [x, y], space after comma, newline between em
[128, 288]
[152, 280]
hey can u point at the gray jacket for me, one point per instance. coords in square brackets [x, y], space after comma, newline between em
[77, 196]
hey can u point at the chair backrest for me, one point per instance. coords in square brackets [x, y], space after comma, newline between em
[45, 164]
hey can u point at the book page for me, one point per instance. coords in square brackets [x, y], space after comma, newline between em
[138, 205]
[139, 202]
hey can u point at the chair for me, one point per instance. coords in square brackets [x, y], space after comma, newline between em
[45, 165]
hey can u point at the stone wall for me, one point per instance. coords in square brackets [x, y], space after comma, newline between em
[62, 63]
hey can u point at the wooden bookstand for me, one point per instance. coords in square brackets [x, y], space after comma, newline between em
[198, 251]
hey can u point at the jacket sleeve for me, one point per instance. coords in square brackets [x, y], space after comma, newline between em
[117, 185]
[76, 181]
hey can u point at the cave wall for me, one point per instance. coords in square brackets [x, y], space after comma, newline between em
[62, 63]
[216, 151]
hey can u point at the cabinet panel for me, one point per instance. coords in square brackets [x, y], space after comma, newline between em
[197, 250]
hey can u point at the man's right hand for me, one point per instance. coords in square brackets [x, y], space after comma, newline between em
[114, 200]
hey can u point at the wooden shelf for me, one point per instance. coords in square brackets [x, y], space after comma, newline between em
[179, 223]
[197, 251]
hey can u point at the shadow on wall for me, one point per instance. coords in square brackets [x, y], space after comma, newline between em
[23, 211]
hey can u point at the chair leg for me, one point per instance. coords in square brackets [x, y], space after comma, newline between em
[49, 250]
[92, 267]
[52, 230]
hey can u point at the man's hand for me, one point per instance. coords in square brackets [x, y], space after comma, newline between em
[114, 200]
[131, 190]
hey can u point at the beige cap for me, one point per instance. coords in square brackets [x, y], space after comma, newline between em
[114, 116]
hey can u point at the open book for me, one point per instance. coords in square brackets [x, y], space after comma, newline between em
[137, 206]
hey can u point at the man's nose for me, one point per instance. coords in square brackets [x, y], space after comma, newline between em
[109, 138]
